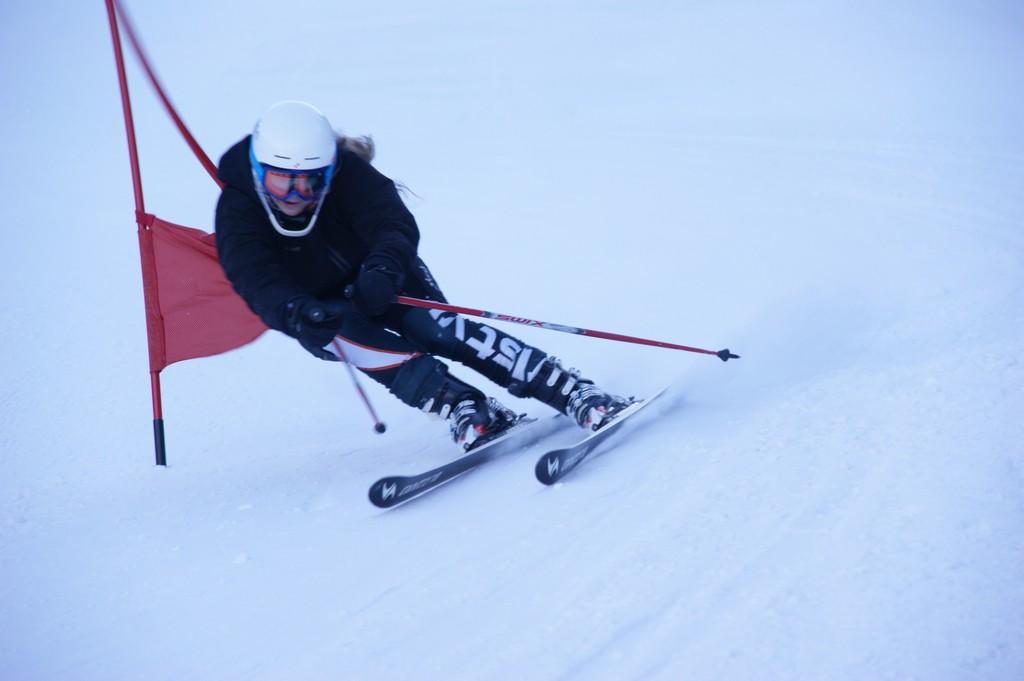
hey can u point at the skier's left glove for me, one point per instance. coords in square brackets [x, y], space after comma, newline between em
[375, 289]
[315, 323]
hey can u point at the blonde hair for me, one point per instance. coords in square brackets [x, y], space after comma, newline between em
[362, 146]
[365, 148]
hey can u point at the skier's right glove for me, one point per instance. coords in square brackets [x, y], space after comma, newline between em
[314, 323]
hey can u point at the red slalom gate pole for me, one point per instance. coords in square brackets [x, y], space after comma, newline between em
[154, 323]
[136, 44]
[723, 355]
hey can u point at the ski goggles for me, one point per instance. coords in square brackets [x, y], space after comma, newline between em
[283, 184]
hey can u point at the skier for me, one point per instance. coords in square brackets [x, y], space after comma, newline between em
[303, 217]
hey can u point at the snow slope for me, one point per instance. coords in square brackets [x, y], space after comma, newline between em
[831, 190]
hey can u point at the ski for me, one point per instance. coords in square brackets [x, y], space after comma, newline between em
[558, 463]
[397, 489]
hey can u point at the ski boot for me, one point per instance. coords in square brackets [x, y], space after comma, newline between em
[473, 418]
[566, 391]
[592, 407]
[473, 422]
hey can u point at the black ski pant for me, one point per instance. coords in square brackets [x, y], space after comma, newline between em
[400, 350]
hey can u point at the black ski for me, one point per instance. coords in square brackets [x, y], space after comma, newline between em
[398, 489]
[557, 463]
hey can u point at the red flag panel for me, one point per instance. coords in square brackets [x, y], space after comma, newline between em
[202, 315]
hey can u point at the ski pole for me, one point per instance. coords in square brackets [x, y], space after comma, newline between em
[378, 425]
[318, 314]
[724, 355]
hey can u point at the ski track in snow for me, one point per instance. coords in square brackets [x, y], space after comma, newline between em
[832, 192]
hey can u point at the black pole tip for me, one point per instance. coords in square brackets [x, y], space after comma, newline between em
[159, 442]
[725, 355]
[380, 427]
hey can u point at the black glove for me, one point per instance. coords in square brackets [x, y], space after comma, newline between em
[375, 289]
[314, 323]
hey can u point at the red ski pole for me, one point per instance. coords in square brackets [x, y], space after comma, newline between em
[724, 355]
[378, 425]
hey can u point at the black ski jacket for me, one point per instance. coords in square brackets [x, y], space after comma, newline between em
[362, 221]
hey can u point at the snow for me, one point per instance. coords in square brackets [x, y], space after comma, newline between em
[832, 191]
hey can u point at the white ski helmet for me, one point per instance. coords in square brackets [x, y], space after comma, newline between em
[295, 138]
